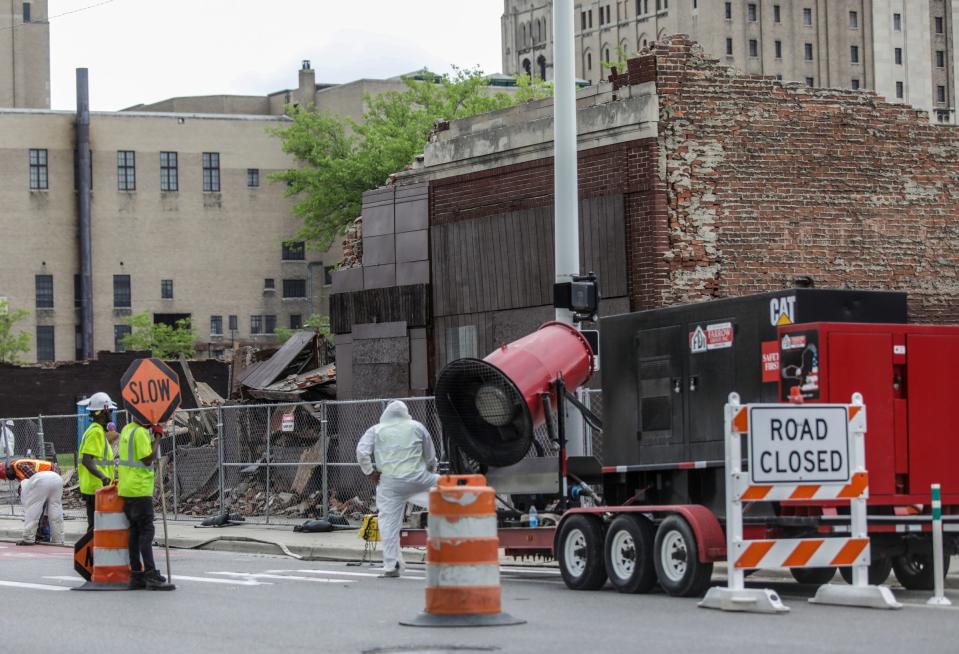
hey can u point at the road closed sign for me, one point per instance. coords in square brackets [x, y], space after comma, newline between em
[801, 443]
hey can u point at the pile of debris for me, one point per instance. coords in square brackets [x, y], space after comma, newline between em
[353, 245]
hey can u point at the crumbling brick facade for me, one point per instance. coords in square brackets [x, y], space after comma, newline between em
[768, 181]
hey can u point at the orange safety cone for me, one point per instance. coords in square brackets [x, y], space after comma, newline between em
[462, 557]
[111, 540]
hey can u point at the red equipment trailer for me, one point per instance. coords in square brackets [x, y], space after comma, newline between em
[662, 520]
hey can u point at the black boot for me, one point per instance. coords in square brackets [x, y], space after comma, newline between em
[137, 582]
[155, 581]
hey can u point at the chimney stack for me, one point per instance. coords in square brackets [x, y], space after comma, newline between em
[306, 95]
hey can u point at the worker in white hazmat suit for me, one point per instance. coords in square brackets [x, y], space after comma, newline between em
[40, 484]
[397, 454]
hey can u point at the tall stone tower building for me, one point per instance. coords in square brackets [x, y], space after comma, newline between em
[902, 49]
[24, 54]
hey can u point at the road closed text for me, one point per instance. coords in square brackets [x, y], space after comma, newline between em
[798, 444]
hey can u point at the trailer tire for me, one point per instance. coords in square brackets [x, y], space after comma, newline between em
[915, 571]
[629, 554]
[879, 571]
[580, 553]
[676, 556]
[816, 576]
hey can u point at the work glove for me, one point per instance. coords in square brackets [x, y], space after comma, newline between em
[106, 481]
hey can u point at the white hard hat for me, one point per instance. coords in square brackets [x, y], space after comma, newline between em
[9, 423]
[98, 402]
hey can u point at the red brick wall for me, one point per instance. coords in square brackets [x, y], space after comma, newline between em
[768, 181]
[626, 168]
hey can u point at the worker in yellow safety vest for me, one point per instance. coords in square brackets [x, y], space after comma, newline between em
[138, 451]
[95, 454]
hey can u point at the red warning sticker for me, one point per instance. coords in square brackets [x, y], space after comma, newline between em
[711, 337]
[770, 352]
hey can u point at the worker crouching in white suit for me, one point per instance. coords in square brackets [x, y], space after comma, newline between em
[42, 488]
[398, 455]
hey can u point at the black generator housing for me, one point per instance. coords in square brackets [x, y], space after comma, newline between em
[667, 373]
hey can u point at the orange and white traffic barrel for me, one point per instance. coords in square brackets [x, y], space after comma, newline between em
[462, 557]
[111, 543]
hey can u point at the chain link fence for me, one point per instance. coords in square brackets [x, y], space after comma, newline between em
[269, 463]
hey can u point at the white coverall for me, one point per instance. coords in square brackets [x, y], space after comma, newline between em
[405, 457]
[43, 487]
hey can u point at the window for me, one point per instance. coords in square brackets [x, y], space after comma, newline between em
[938, 24]
[77, 292]
[294, 251]
[695, 4]
[45, 348]
[942, 116]
[296, 321]
[807, 16]
[294, 288]
[810, 81]
[169, 174]
[233, 323]
[899, 90]
[122, 295]
[855, 84]
[607, 55]
[166, 289]
[779, 77]
[119, 331]
[44, 284]
[602, 16]
[256, 324]
[77, 343]
[328, 275]
[38, 170]
[527, 68]
[940, 94]
[269, 324]
[590, 19]
[899, 56]
[729, 47]
[778, 47]
[26, 12]
[657, 5]
[808, 51]
[252, 177]
[211, 172]
[940, 59]
[582, 19]
[853, 20]
[541, 64]
[777, 14]
[461, 342]
[269, 284]
[897, 22]
[216, 325]
[854, 54]
[589, 61]
[607, 13]
[751, 12]
[753, 48]
[126, 171]
[729, 11]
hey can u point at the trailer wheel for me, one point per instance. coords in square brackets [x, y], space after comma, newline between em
[915, 571]
[817, 576]
[580, 553]
[676, 556]
[879, 571]
[629, 554]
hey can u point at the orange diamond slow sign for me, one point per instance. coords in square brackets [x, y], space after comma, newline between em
[151, 391]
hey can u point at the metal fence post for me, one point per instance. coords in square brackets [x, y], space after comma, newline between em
[269, 430]
[324, 470]
[43, 445]
[173, 429]
[219, 440]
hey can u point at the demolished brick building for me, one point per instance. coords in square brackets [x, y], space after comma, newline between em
[696, 182]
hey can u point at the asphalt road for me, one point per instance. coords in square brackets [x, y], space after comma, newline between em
[229, 602]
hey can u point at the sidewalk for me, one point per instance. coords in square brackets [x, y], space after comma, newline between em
[247, 538]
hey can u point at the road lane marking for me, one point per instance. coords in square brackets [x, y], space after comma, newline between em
[260, 575]
[176, 578]
[343, 573]
[23, 584]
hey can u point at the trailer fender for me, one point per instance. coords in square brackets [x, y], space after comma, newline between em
[710, 537]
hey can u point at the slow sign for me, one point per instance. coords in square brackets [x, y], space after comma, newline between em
[150, 391]
[790, 444]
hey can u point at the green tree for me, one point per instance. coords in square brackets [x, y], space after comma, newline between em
[532, 88]
[163, 341]
[340, 159]
[12, 343]
[316, 322]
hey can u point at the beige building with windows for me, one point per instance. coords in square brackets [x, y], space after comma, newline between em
[25, 55]
[902, 49]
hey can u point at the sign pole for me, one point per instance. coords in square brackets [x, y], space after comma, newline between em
[166, 540]
[939, 599]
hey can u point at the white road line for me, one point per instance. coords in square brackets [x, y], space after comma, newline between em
[343, 573]
[531, 571]
[22, 584]
[259, 575]
[176, 578]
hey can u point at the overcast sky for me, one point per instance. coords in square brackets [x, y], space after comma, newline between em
[147, 50]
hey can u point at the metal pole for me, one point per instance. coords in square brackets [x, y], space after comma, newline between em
[43, 446]
[166, 539]
[173, 440]
[219, 440]
[939, 599]
[857, 506]
[736, 579]
[561, 432]
[269, 430]
[324, 439]
[83, 200]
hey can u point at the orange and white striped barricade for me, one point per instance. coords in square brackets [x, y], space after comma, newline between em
[462, 557]
[111, 541]
[796, 452]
